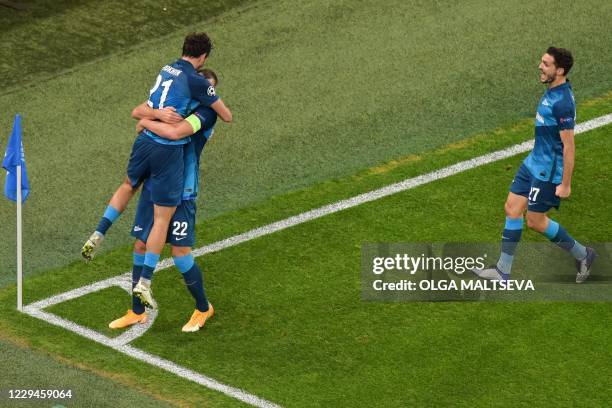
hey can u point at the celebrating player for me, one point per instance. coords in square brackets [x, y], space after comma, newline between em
[182, 232]
[545, 176]
[181, 88]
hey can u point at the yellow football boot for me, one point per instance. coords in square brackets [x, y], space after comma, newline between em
[198, 319]
[129, 319]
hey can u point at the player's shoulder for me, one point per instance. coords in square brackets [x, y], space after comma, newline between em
[565, 103]
[198, 81]
[565, 95]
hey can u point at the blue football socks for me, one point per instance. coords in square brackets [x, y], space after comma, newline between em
[558, 235]
[192, 275]
[150, 262]
[510, 239]
[137, 306]
[110, 216]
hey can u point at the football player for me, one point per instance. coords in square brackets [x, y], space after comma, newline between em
[545, 176]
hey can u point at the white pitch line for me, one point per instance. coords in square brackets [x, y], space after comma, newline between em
[119, 344]
[116, 344]
[78, 292]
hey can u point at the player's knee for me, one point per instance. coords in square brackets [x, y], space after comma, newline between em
[180, 251]
[512, 211]
[140, 247]
[127, 184]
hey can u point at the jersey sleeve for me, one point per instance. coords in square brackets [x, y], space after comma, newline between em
[201, 90]
[564, 112]
[202, 118]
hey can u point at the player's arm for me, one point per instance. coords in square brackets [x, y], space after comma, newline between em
[172, 131]
[167, 115]
[569, 152]
[222, 111]
[565, 115]
[204, 92]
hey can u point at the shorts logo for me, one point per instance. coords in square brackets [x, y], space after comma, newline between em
[211, 91]
[137, 228]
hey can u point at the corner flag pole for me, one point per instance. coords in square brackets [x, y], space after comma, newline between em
[17, 188]
[19, 254]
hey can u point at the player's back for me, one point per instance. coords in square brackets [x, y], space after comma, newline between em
[171, 89]
[193, 151]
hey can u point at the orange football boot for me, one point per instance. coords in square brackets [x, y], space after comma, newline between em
[198, 319]
[129, 319]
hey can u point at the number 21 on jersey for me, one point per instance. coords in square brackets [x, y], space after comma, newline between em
[154, 94]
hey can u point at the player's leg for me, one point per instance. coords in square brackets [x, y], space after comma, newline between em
[515, 207]
[542, 198]
[166, 182]
[139, 256]
[182, 238]
[143, 222]
[155, 244]
[137, 171]
[539, 221]
[192, 275]
[137, 313]
[115, 207]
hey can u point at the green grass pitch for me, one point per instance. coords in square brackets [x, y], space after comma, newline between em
[291, 327]
[319, 92]
[330, 100]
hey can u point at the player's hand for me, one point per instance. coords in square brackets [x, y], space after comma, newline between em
[563, 191]
[139, 126]
[168, 115]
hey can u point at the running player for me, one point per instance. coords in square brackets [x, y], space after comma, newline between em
[545, 176]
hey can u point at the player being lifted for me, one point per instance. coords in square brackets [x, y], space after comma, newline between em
[545, 176]
[182, 227]
[180, 88]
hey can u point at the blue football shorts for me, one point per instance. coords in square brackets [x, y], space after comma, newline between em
[181, 231]
[162, 164]
[540, 194]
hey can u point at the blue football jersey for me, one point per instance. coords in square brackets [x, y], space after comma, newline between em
[556, 112]
[178, 85]
[193, 151]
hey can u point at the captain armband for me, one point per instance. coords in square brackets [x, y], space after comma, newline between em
[195, 122]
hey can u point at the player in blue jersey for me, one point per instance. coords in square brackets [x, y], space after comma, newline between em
[177, 90]
[199, 125]
[545, 176]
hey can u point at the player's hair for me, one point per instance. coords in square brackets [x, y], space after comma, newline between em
[209, 74]
[563, 58]
[197, 44]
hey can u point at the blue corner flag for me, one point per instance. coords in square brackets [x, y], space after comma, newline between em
[14, 157]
